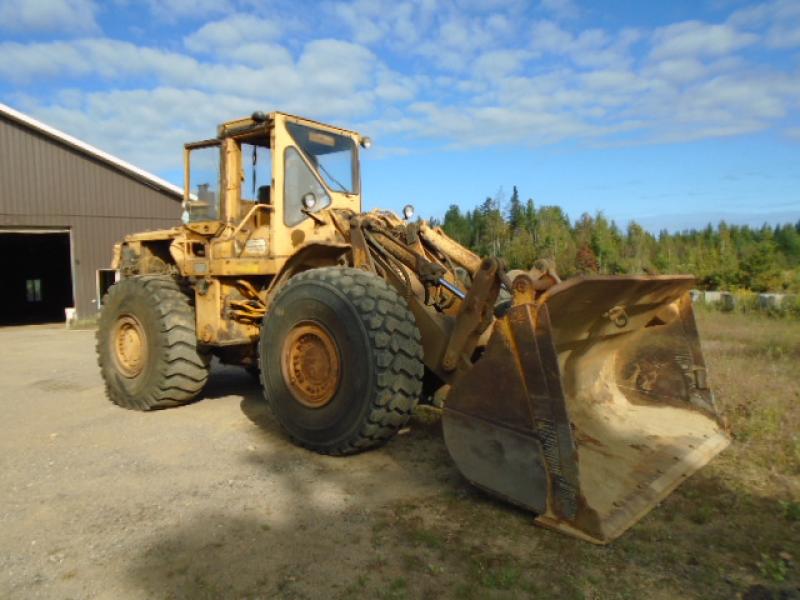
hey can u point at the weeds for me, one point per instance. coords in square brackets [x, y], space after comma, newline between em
[435, 569]
[429, 539]
[412, 562]
[397, 589]
[791, 510]
[501, 578]
[752, 369]
[774, 569]
[356, 589]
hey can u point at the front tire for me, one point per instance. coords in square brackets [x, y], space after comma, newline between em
[147, 345]
[341, 360]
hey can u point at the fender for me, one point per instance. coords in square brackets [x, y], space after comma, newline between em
[309, 256]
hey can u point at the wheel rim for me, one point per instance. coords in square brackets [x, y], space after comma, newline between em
[310, 364]
[130, 345]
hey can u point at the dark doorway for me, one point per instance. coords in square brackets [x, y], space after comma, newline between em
[37, 270]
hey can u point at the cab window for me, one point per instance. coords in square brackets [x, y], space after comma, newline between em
[203, 184]
[256, 173]
[302, 190]
[331, 154]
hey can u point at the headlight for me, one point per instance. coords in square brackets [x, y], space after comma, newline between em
[309, 201]
[408, 212]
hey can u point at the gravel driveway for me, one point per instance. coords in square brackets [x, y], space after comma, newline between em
[206, 500]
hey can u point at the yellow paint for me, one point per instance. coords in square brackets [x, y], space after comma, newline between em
[249, 241]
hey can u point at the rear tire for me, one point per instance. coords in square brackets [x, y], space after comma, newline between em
[147, 345]
[341, 360]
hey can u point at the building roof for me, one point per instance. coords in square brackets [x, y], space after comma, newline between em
[90, 151]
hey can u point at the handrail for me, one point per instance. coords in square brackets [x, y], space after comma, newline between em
[246, 218]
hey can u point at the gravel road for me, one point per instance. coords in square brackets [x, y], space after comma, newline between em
[206, 500]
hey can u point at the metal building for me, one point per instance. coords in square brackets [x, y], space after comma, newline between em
[63, 204]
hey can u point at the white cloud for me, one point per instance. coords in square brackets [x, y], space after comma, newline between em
[171, 10]
[547, 36]
[483, 6]
[329, 69]
[447, 33]
[257, 54]
[329, 79]
[500, 63]
[780, 19]
[726, 105]
[231, 32]
[394, 87]
[385, 21]
[784, 35]
[65, 16]
[596, 48]
[678, 70]
[107, 58]
[562, 9]
[688, 90]
[148, 127]
[489, 125]
[693, 38]
[590, 48]
[435, 69]
[611, 80]
[456, 38]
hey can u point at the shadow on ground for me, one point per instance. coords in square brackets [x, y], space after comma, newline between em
[229, 380]
[445, 547]
[400, 522]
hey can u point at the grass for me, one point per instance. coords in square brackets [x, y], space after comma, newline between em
[791, 510]
[774, 569]
[755, 368]
[427, 538]
[733, 527]
[503, 577]
[396, 589]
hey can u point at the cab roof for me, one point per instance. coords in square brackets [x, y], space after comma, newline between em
[242, 125]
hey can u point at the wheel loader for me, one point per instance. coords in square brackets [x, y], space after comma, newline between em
[584, 401]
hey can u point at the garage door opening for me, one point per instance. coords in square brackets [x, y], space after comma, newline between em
[37, 273]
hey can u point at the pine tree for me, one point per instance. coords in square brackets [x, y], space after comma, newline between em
[530, 216]
[516, 213]
[456, 225]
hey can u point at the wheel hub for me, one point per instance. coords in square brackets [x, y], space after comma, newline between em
[310, 365]
[130, 345]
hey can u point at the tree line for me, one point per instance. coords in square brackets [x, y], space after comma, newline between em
[721, 257]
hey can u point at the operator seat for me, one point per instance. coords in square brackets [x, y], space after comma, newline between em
[264, 195]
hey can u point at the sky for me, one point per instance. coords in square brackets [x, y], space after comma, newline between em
[674, 113]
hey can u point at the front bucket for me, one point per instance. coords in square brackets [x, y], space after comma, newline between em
[589, 406]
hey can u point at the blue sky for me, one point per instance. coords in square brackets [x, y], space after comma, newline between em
[671, 113]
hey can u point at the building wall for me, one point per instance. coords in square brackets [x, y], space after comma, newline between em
[46, 184]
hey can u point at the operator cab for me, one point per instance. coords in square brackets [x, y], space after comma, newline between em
[276, 170]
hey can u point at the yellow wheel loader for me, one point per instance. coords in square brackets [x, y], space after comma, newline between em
[584, 400]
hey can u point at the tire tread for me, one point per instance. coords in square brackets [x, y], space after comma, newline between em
[396, 341]
[182, 368]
